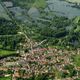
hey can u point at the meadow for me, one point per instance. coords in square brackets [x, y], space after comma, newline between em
[6, 52]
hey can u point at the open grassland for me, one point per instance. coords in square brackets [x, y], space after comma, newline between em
[77, 60]
[6, 53]
[5, 78]
[31, 3]
[40, 3]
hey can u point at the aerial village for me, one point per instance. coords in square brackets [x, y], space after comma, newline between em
[50, 61]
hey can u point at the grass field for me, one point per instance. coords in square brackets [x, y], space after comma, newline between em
[40, 3]
[5, 78]
[77, 60]
[6, 52]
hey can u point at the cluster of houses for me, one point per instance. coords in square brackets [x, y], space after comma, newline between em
[43, 60]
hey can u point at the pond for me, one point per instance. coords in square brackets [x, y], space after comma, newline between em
[62, 8]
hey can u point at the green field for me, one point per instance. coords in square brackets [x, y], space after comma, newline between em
[40, 3]
[6, 52]
[77, 60]
[5, 78]
[33, 3]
